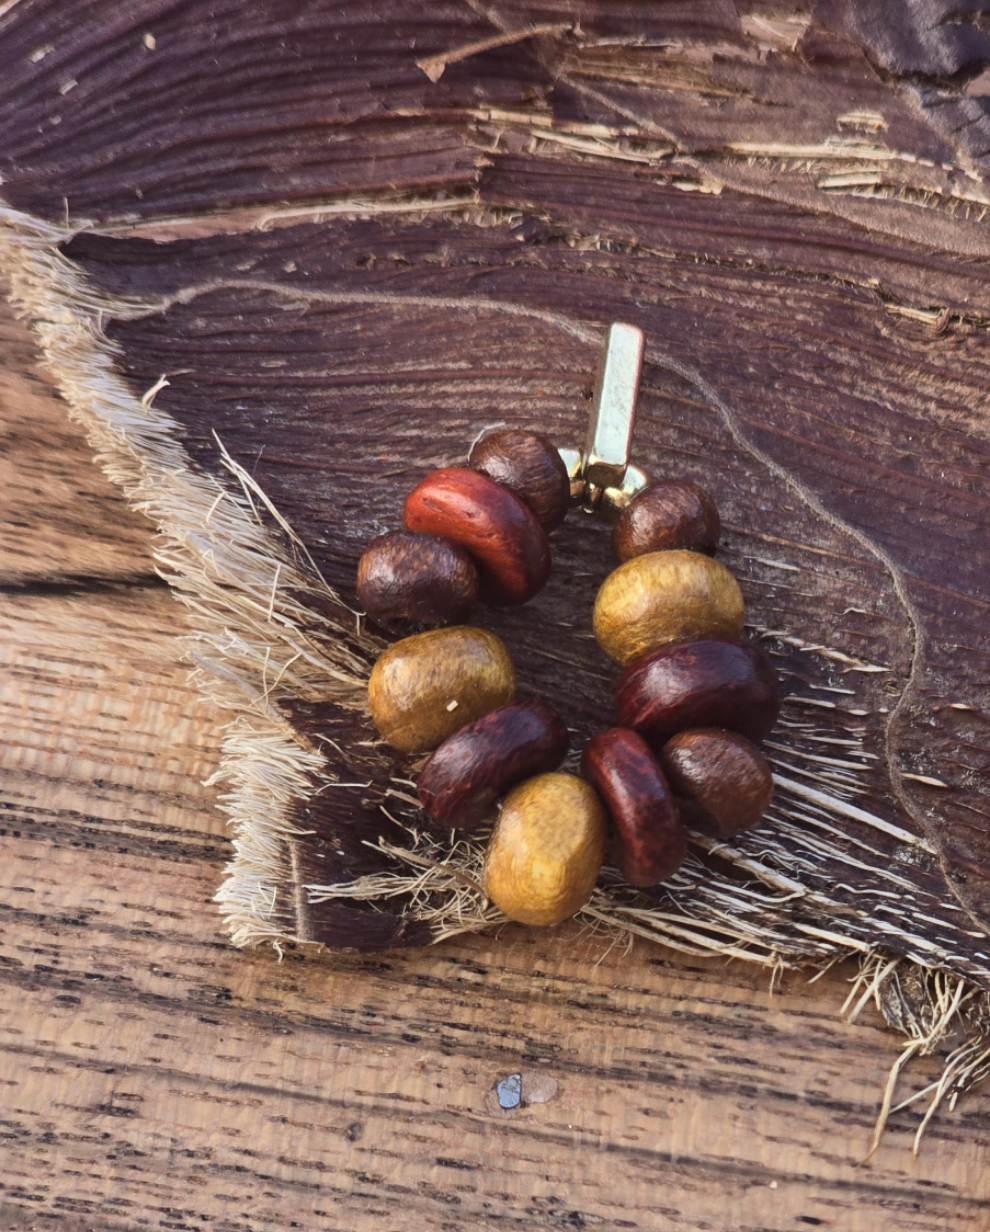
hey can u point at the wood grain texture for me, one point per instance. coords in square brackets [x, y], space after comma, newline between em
[728, 187]
[777, 198]
[815, 463]
[152, 1076]
[41, 455]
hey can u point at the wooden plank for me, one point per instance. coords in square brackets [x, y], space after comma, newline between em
[79, 528]
[801, 230]
[340, 362]
[153, 1076]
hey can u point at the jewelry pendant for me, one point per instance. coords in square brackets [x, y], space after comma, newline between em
[601, 476]
[691, 703]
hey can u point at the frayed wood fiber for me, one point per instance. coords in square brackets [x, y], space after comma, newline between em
[827, 875]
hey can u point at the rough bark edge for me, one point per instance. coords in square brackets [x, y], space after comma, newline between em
[243, 586]
[240, 583]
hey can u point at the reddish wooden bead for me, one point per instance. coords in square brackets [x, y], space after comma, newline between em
[649, 840]
[498, 530]
[722, 773]
[407, 582]
[705, 683]
[530, 467]
[476, 765]
[669, 515]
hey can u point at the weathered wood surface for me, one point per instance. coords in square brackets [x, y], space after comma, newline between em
[151, 1076]
[797, 226]
[715, 172]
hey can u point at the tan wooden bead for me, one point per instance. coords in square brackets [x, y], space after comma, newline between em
[665, 597]
[546, 850]
[423, 688]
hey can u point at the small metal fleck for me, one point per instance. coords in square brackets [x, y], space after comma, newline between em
[509, 1091]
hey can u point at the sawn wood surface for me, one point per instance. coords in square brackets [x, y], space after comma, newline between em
[153, 1077]
[347, 265]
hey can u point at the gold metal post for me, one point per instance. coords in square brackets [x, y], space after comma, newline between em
[614, 409]
[601, 476]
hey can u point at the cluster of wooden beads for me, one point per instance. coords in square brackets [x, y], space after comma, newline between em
[690, 703]
[471, 532]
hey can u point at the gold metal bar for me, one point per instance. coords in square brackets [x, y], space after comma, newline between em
[614, 500]
[574, 461]
[614, 408]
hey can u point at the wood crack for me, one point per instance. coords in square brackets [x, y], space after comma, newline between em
[81, 584]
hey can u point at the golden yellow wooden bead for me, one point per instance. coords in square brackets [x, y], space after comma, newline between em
[665, 597]
[423, 688]
[546, 849]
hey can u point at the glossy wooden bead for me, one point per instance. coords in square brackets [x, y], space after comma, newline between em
[408, 581]
[648, 838]
[505, 539]
[668, 515]
[722, 773]
[546, 850]
[665, 597]
[425, 687]
[530, 467]
[699, 684]
[468, 772]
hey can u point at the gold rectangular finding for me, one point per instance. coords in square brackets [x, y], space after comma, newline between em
[573, 459]
[614, 407]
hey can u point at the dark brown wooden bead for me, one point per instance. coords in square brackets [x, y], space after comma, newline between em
[476, 765]
[530, 467]
[723, 774]
[505, 539]
[407, 582]
[670, 514]
[704, 683]
[648, 839]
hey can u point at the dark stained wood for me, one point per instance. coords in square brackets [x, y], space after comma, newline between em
[851, 449]
[935, 38]
[274, 132]
[798, 231]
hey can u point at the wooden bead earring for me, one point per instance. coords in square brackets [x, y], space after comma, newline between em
[692, 701]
